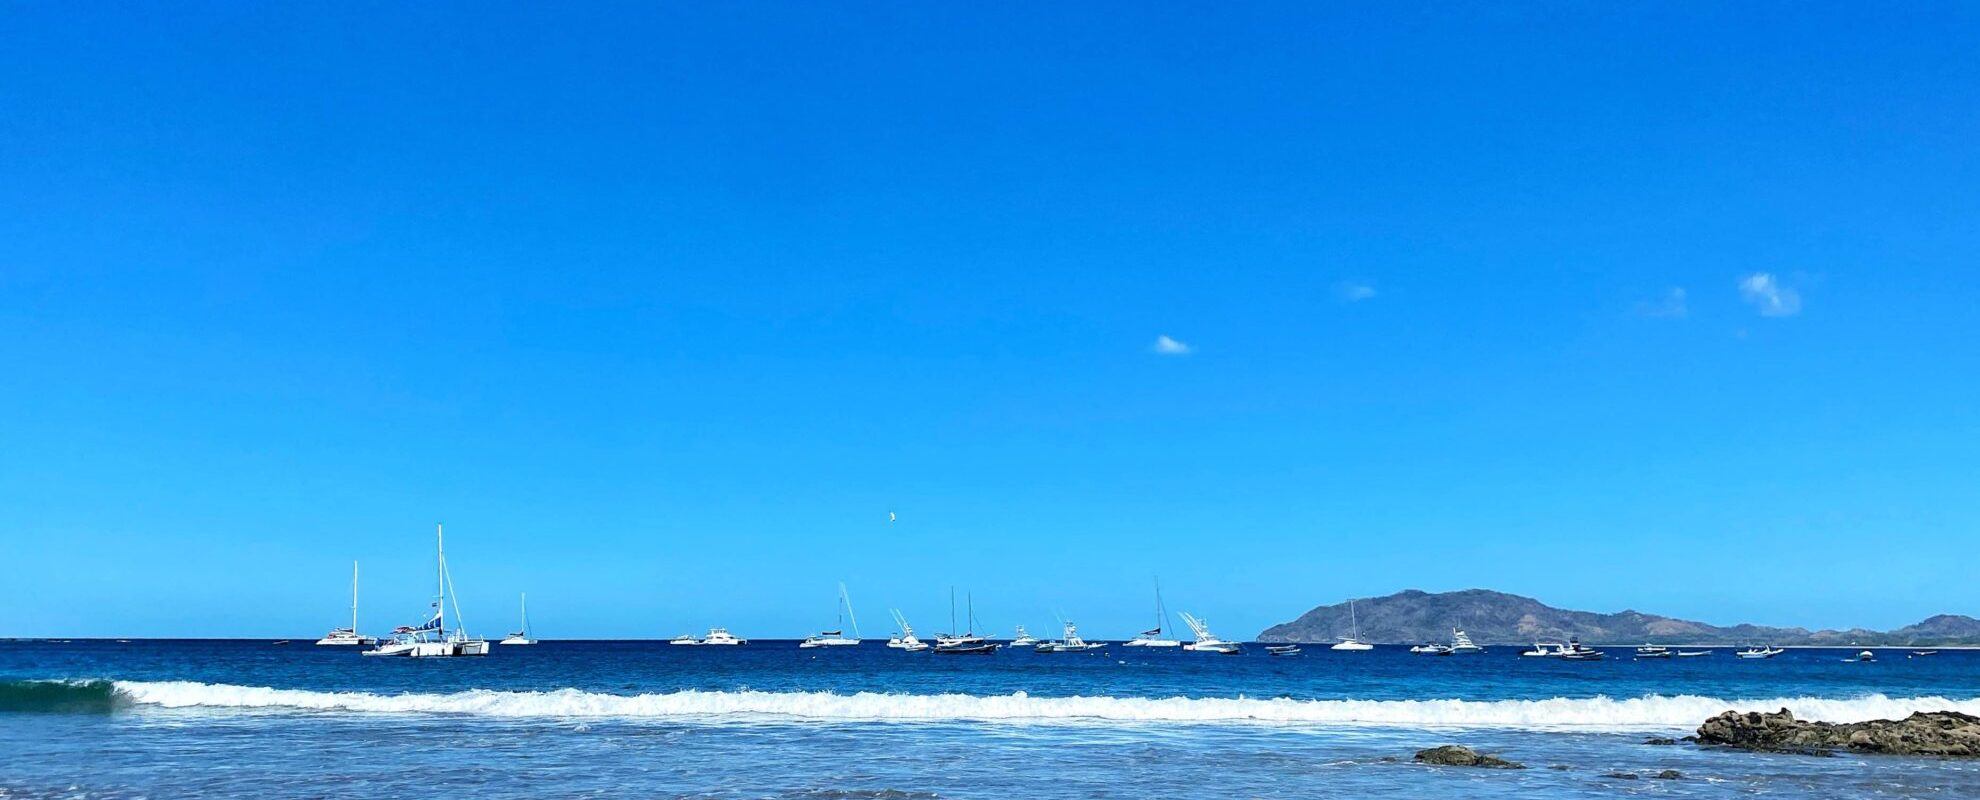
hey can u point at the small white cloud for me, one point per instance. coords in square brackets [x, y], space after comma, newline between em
[1170, 347]
[1672, 306]
[1354, 291]
[1768, 295]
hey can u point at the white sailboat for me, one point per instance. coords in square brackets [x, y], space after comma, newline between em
[521, 636]
[836, 637]
[432, 639]
[1353, 642]
[1153, 636]
[906, 640]
[1207, 642]
[348, 637]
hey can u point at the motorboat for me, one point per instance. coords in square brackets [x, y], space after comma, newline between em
[721, 637]
[432, 638]
[1024, 638]
[1069, 642]
[1282, 650]
[1864, 656]
[1576, 651]
[1352, 641]
[1653, 651]
[905, 640]
[349, 637]
[1207, 642]
[1461, 644]
[521, 636]
[1431, 649]
[1923, 653]
[1760, 652]
[1693, 653]
[1153, 636]
[1540, 651]
[685, 640]
[836, 637]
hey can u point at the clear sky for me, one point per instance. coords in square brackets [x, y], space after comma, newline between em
[663, 308]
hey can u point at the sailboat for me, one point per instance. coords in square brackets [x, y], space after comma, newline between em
[1353, 642]
[432, 639]
[1153, 636]
[968, 644]
[521, 636]
[1207, 642]
[906, 640]
[836, 637]
[347, 637]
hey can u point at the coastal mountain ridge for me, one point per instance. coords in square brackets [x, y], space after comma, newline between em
[1491, 617]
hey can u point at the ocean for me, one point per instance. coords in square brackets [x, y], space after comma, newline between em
[177, 719]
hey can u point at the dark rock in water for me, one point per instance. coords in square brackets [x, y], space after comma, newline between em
[1626, 776]
[1560, 767]
[1388, 759]
[1660, 740]
[1935, 733]
[1668, 775]
[1452, 755]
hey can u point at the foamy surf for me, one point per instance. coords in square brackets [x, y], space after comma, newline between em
[1596, 713]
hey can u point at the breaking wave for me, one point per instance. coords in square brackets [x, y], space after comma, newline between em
[1596, 713]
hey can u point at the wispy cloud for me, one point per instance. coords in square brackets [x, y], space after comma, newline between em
[1169, 347]
[1354, 291]
[1670, 306]
[1766, 293]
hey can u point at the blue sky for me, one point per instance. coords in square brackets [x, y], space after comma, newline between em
[662, 309]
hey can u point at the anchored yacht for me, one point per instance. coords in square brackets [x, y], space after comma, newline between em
[968, 644]
[521, 636]
[1654, 651]
[1153, 636]
[1461, 644]
[346, 637]
[1760, 652]
[1069, 642]
[1207, 642]
[432, 638]
[721, 637]
[837, 637]
[906, 640]
[1024, 638]
[1353, 642]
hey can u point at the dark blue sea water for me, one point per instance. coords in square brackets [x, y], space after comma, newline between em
[104, 719]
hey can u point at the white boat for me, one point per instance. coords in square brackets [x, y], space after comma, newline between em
[1540, 651]
[1760, 652]
[1653, 651]
[1024, 638]
[1153, 636]
[348, 637]
[1069, 642]
[1352, 642]
[721, 637]
[432, 639]
[1461, 644]
[1865, 656]
[685, 640]
[1576, 651]
[1431, 649]
[968, 644]
[1282, 650]
[906, 640]
[1207, 642]
[1693, 653]
[521, 636]
[837, 637]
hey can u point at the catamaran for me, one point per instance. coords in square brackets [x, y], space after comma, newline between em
[906, 640]
[432, 639]
[837, 637]
[1353, 642]
[722, 636]
[521, 636]
[1207, 642]
[348, 636]
[1069, 642]
[1024, 638]
[1153, 636]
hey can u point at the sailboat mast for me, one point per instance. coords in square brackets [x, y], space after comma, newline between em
[440, 571]
[525, 613]
[952, 610]
[354, 597]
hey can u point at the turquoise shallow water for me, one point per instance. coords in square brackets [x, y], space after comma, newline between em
[230, 718]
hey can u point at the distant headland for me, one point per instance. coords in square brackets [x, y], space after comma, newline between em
[1499, 618]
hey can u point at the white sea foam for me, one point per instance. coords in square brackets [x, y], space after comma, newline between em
[1597, 713]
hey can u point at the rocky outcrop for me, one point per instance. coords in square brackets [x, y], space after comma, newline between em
[1935, 733]
[1452, 755]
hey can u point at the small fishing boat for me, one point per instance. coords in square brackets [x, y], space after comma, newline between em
[1576, 651]
[348, 637]
[1069, 642]
[905, 640]
[836, 637]
[1282, 650]
[1431, 649]
[1207, 642]
[1352, 641]
[1693, 653]
[521, 636]
[280, 642]
[1653, 651]
[1153, 636]
[1461, 644]
[1760, 652]
[1024, 638]
[432, 639]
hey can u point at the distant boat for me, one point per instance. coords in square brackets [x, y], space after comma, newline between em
[1576, 651]
[1353, 642]
[1693, 653]
[1540, 651]
[1207, 642]
[432, 639]
[836, 637]
[1653, 651]
[1864, 656]
[1923, 653]
[1282, 650]
[1461, 644]
[521, 636]
[280, 642]
[1024, 638]
[968, 644]
[1069, 642]
[722, 637]
[1760, 652]
[685, 640]
[1431, 649]
[1153, 636]
[906, 640]
[347, 637]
